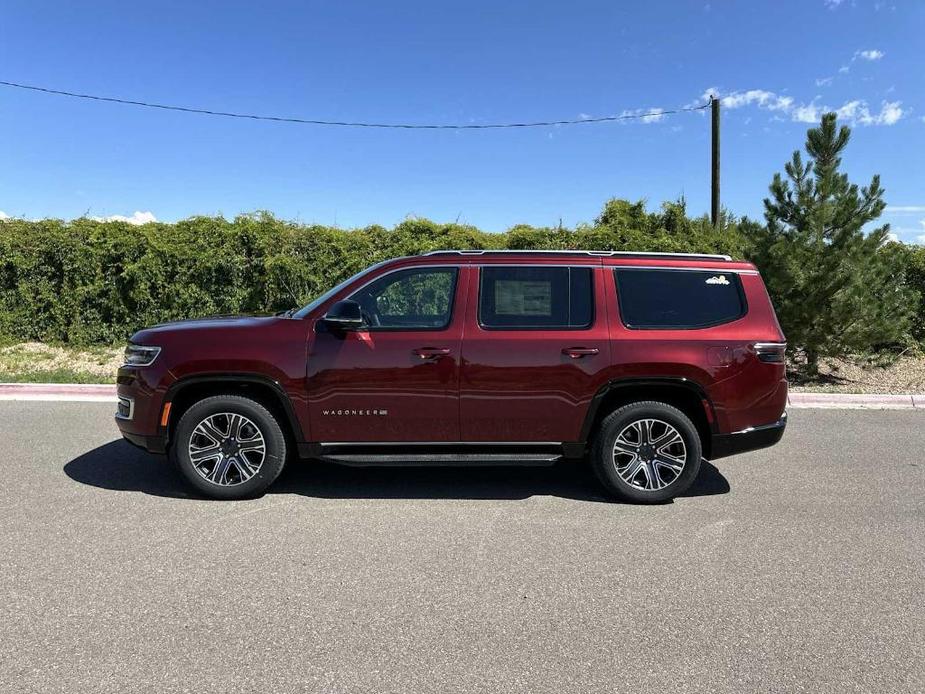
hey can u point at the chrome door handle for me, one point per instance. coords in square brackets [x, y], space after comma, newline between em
[431, 352]
[579, 352]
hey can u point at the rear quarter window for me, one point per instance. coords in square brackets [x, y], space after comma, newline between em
[678, 299]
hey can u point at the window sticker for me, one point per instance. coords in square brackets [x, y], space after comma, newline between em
[718, 279]
[523, 298]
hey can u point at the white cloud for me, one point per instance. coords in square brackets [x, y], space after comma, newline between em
[871, 54]
[652, 115]
[833, 4]
[917, 234]
[757, 97]
[136, 219]
[856, 112]
[912, 231]
[824, 81]
[892, 237]
[807, 113]
[890, 112]
[905, 209]
[4, 215]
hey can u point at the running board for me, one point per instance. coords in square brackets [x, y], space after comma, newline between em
[442, 459]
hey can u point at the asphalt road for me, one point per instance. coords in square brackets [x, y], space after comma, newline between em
[799, 568]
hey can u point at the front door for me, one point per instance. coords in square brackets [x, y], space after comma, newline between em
[396, 379]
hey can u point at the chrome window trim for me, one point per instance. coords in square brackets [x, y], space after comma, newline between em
[683, 269]
[537, 265]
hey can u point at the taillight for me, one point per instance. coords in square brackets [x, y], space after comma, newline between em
[771, 352]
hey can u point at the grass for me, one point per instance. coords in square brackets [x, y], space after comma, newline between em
[36, 362]
[53, 376]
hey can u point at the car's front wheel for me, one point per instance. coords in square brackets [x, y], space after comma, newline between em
[229, 447]
[647, 452]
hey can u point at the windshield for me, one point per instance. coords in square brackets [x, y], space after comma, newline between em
[308, 308]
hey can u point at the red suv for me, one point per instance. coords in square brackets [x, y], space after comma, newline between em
[644, 362]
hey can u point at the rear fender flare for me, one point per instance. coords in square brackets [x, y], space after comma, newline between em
[661, 382]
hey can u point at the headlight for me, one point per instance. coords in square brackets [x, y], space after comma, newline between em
[140, 355]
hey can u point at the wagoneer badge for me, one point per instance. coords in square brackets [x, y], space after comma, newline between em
[354, 413]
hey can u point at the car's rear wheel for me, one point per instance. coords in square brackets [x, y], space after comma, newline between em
[229, 447]
[646, 452]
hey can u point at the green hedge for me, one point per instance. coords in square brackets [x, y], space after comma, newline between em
[87, 281]
[910, 261]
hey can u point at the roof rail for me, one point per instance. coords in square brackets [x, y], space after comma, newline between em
[632, 254]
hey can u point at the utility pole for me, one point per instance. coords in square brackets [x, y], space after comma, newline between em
[714, 197]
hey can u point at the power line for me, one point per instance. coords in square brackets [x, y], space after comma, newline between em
[352, 124]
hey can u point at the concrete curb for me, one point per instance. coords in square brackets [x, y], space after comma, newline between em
[58, 392]
[859, 401]
[77, 392]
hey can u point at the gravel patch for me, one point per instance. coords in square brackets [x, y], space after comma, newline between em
[905, 376]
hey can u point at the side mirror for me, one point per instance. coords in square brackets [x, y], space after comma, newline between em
[344, 315]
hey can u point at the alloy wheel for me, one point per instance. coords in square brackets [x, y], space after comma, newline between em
[649, 454]
[227, 449]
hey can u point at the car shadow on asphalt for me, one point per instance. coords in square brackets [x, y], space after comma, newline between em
[120, 466]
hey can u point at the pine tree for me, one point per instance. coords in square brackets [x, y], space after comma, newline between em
[835, 288]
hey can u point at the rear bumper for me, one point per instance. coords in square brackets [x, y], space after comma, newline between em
[750, 439]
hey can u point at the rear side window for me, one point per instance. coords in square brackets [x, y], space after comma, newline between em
[678, 299]
[521, 297]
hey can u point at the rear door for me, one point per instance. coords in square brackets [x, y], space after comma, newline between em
[536, 350]
[397, 378]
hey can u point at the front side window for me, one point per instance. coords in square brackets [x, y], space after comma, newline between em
[535, 297]
[678, 299]
[413, 299]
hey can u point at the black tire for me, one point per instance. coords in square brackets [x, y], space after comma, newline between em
[605, 466]
[274, 442]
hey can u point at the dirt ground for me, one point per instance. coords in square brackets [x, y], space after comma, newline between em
[905, 375]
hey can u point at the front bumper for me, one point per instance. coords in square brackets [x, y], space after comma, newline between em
[750, 439]
[140, 401]
[152, 444]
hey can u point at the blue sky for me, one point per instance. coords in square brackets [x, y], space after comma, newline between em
[777, 65]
